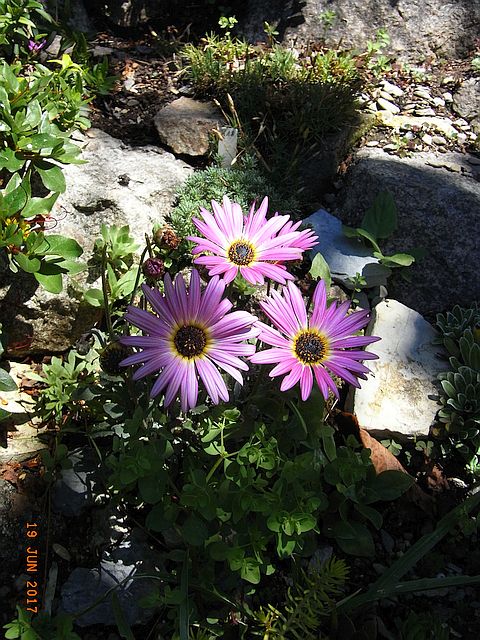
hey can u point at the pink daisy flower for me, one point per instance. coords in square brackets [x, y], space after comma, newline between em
[191, 334]
[252, 245]
[317, 347]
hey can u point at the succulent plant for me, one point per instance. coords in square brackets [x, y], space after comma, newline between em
[454, 323]
[461, 402]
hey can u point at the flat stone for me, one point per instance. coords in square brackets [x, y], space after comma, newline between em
[427, 139]
[437, 208]
[386, 96]
[440, 140]
[185, 125]
[443, 125]
[386, 105]
[345, 256]
[392, 89]
[394, 400]
[439, 102]
[421, 92]
[447, 96]
[425, 112]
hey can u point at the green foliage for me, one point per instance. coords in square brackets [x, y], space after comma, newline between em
[459, 416]
[283, 104]
[243, 184]
[422, 626]
[475, 64]
[320, 270]
[20, 22]
[114, 251]
[380, 222]
[41, 627]
[311, 599]
[67, 381]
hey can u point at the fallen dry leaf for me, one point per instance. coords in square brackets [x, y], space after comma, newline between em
[382, 459]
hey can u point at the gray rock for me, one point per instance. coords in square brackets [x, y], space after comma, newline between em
[117, 568]
[437, 209]
[345, 256]
[118, 185]
[417, 28]
[388, 106]
[185, 125]
[466, 101]
[75, 488]
[396, 397]
[392, 89]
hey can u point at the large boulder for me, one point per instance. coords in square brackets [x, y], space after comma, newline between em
[466, 101]
[417, 28]
[438, 199]
[118, 185]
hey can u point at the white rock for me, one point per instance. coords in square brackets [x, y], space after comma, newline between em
[427, 139]
[425, 112]
[386, 105]
[386, 96]
[439, 102]
[392, 88]
[447, 96]
[345, 256]
[421, 92]
[395, 397]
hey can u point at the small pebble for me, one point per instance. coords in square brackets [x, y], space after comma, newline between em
[392, 89]
[447, 96]
[390, 147]
[372, 143]
[410, 106]
[460, 122]
[387, 541]
[448, 80]
[462, 137]
[386, 105]
[439, 102]
[472, 136]
[409, 135]
[439, 140]
[427, 138]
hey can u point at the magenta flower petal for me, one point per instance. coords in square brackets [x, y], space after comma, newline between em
[252, 245]
[318, 347]
[188, 336]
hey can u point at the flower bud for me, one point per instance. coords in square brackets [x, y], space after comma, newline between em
[153, 268]
[166, 238]
[112, 355]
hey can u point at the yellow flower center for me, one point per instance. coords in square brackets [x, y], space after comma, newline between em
[241, 253]
[190, 341]
[310, 347]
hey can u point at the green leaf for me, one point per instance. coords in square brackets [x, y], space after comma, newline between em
[122, 625]
[51, 176]
[13, 201]
[61, 246]
[304, 522]
[320, 269]
[29, 265]
[389, 485]
[371, 514]
[4, 414]
[381, 219]
[7, 383]
[94, 297]
[33, 115]
[39, 206]
[10, 161]
[152, 488]
[328, 441]
[194, 531]
[370, 237]
[51, 283]
[398, 260]
[250, 570]
[354, 538]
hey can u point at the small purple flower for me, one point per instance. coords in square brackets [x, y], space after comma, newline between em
[317, 347]
[191, 334]
[35, 47]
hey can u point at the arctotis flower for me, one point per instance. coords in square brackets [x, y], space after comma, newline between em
[252, 245]
[190, 334]
[313, 348]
